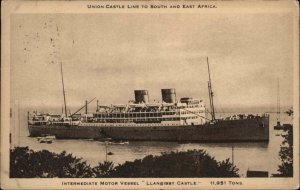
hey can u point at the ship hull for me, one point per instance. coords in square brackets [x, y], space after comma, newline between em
[223, 131]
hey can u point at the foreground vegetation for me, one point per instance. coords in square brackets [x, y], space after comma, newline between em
[286, 151]
[286, 155]
[26, 163]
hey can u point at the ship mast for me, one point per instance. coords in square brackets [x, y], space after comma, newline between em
[211, 95]
[278, 102]
[62, 81]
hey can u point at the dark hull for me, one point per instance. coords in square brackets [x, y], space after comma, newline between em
[256, 129]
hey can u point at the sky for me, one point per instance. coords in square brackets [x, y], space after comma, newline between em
[108, 56]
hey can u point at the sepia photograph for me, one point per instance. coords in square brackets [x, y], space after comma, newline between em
[150, 95]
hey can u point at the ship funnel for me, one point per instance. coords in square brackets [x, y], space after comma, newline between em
[141, 96]
[168, 95]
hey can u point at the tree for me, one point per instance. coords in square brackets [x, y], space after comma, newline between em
[192, 163]
[103, 169]
[25, 163]
[286, 151]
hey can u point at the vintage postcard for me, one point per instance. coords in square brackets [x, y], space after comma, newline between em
[150, 94]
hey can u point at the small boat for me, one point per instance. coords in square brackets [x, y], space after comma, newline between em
[88, 139]
[46, 137]
[47, 141]
[110, 153]
[50, 137]
[118, 142]
[104, 139]
[283, 126]
[278, 126]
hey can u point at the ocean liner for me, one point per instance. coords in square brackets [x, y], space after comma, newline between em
[170, 120]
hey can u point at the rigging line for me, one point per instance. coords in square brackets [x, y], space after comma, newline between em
[196, 114]
[82, 107]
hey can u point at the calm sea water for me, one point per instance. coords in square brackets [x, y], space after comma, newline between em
[246, 156]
